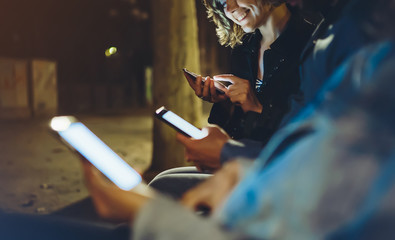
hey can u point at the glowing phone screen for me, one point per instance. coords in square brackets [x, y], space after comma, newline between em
[183, 125]
[101, 156]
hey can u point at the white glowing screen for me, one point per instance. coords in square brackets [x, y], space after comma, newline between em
[183, 125]
[101, 156]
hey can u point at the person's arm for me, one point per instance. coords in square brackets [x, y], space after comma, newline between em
[110, 201]
[153, 215]
[212, 193]
[165, 219]
[217, 148]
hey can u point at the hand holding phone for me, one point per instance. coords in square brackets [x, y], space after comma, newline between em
[219, 85]
[178, 123]
[80, 139]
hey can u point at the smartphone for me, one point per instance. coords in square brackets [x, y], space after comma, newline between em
[190, 74]
[179, 124]
[81, 140]
[193, 76]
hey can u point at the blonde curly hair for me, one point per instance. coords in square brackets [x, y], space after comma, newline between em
[229, 33]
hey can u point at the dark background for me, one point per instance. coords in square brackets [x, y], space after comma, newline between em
[76, 33]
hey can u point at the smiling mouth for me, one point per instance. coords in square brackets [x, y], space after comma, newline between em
[242, 16]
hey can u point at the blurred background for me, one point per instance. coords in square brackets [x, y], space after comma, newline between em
[108, 62]
[102, 49]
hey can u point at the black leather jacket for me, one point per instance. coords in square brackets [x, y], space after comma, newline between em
[280, 82]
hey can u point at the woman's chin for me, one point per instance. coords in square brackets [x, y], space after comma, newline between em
[248, 29]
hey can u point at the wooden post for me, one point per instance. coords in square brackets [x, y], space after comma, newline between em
[175, 40]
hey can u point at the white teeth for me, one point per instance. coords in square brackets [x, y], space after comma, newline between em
[241, 17]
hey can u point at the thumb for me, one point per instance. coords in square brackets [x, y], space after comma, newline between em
[224, 77]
